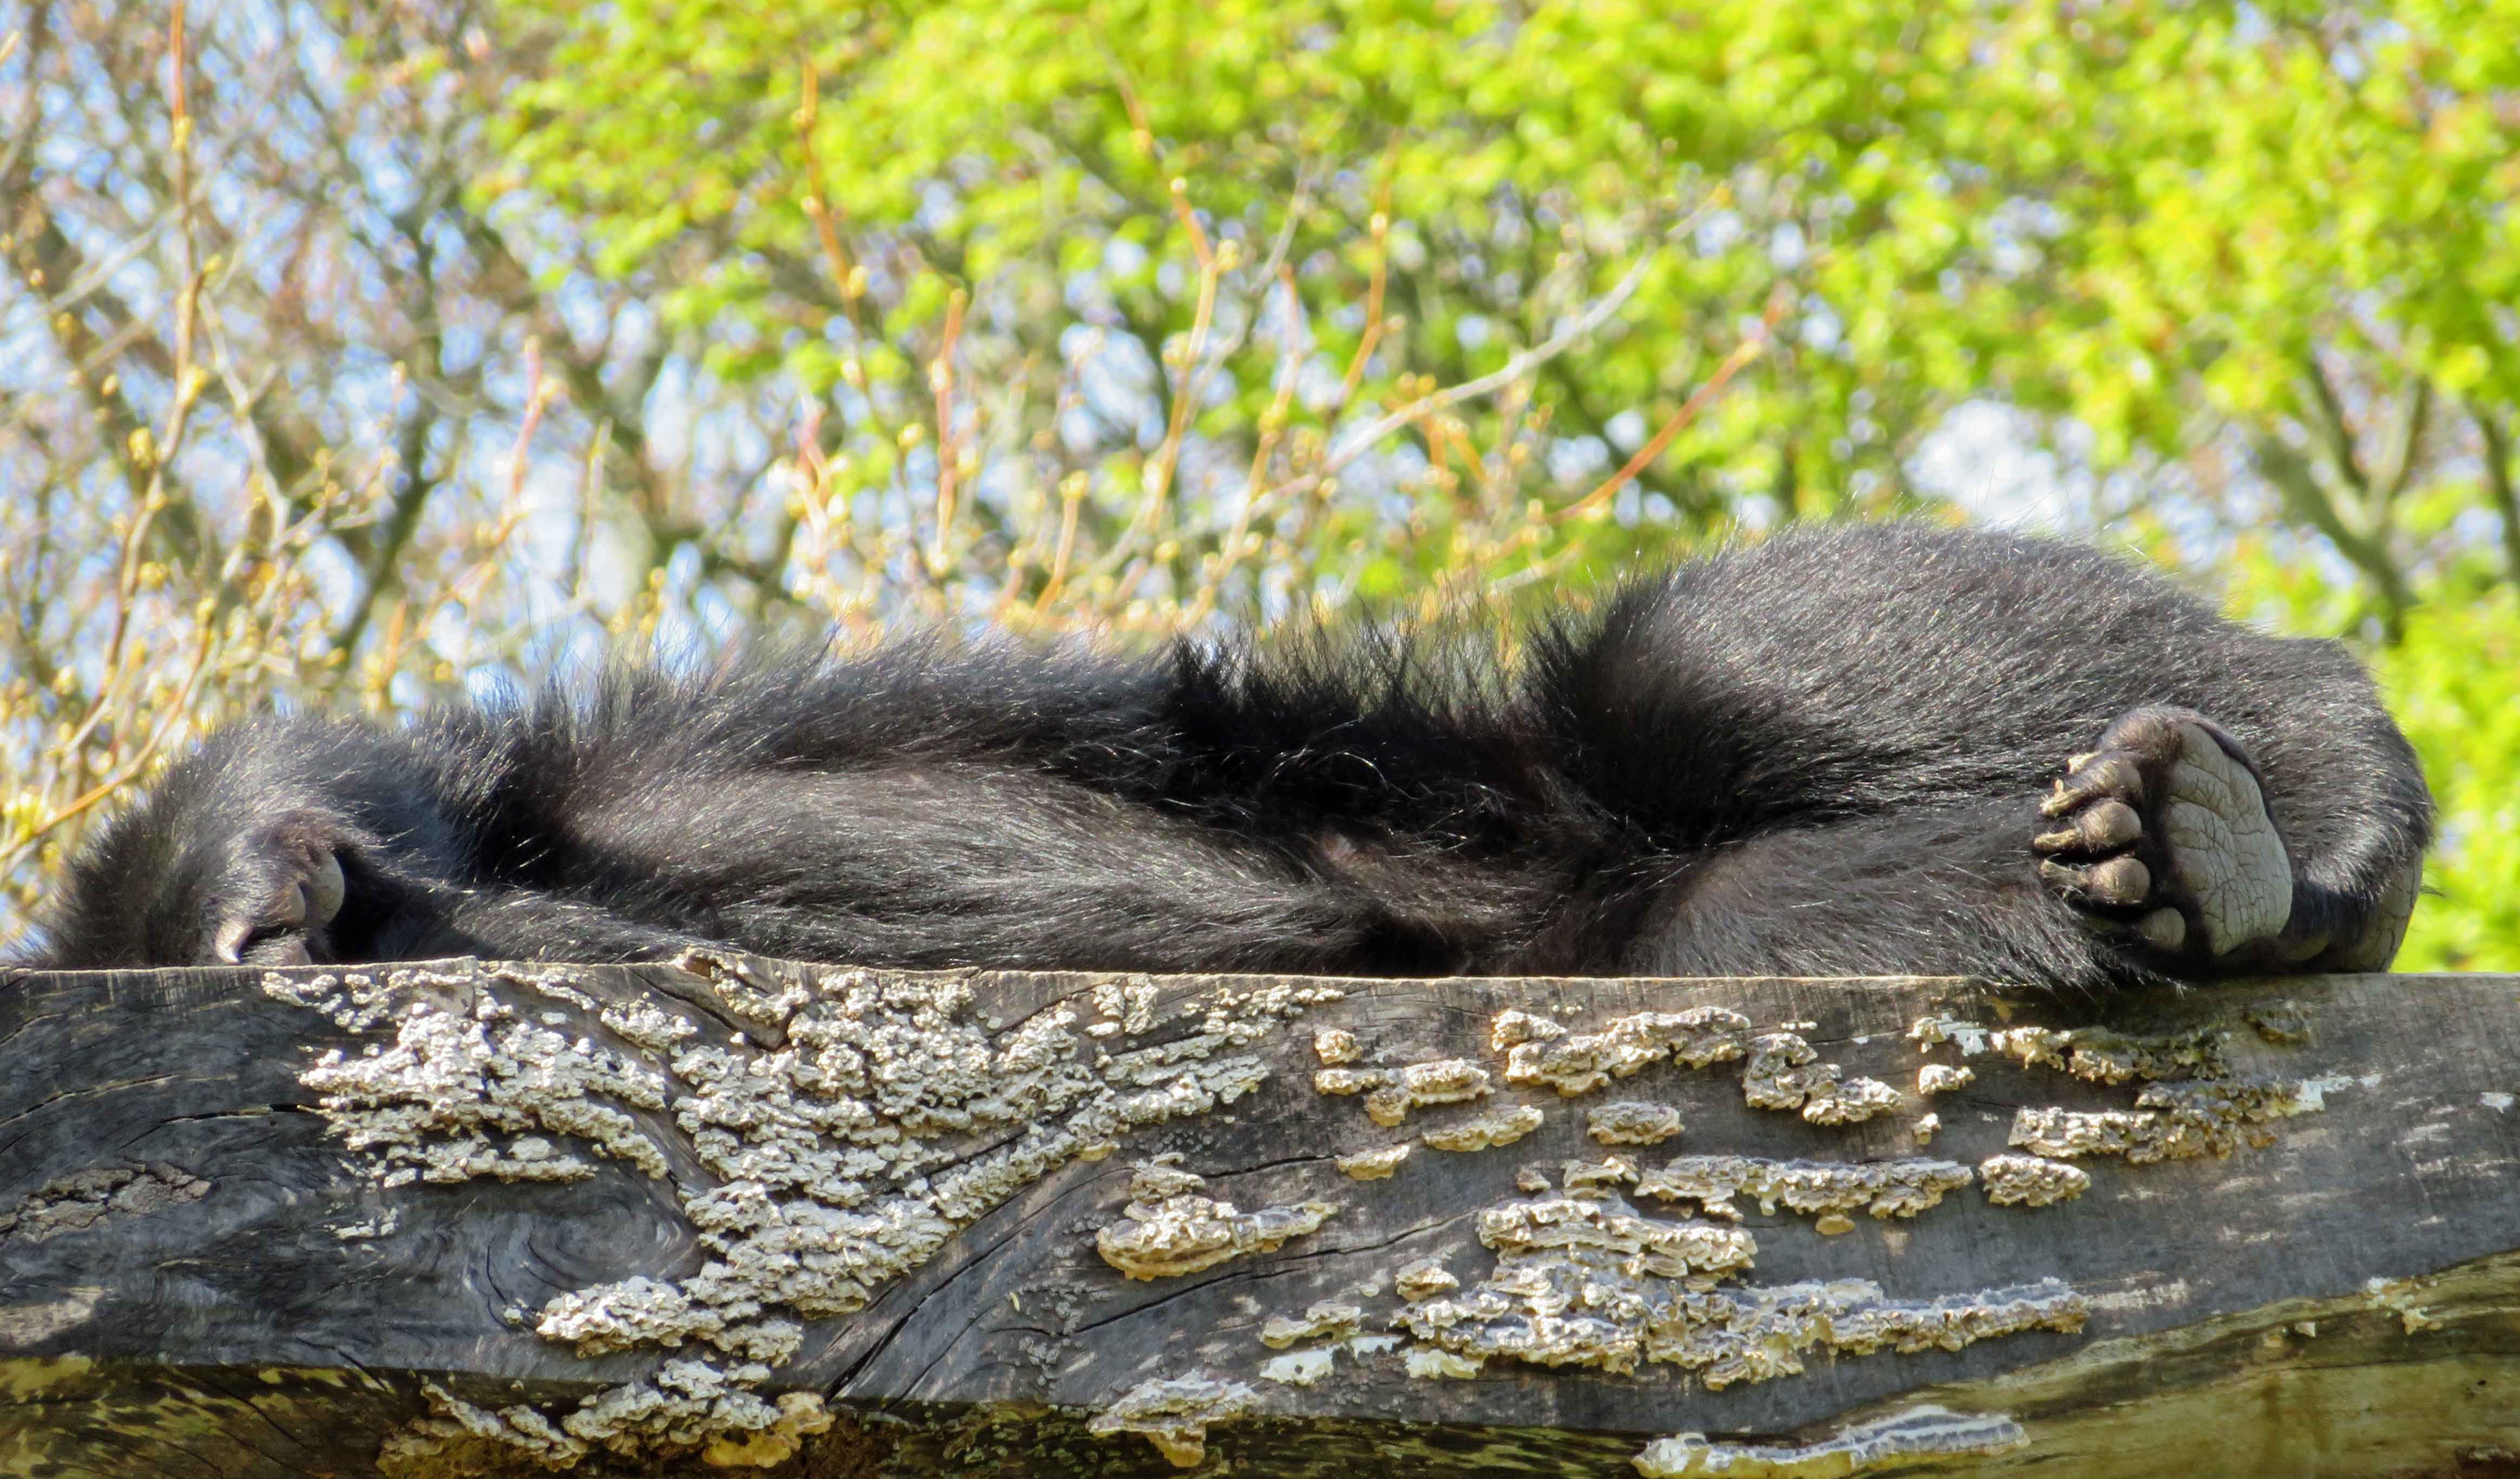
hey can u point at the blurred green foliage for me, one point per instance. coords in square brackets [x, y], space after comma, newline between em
[2451, 683]
[2153, 219]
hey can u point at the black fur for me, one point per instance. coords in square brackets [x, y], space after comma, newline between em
[1824, 754]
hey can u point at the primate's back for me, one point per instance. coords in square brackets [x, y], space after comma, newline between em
[1865, 751]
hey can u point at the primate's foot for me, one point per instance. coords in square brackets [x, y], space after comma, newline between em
[2163, 829]
[279, 890]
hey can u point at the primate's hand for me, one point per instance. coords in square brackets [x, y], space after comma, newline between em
[281, 885]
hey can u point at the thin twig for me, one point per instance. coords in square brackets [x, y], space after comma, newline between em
[1739, 359]
[1356, 444]
[942, 378]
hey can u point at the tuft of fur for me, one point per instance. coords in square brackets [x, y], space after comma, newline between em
[1820, 755]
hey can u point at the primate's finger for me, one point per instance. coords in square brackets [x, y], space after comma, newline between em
[2120, 881]
[2104, 828]
[2116, 776]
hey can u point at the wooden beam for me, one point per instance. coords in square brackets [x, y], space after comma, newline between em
[467, 1218]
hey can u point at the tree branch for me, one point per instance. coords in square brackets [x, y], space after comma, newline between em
[2498, 486]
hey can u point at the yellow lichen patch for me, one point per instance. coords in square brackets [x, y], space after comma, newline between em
[2398, 1296]
[1942, 1078]
[1336, 1045]
[1783, 1072]
[1926, 1128]
[1443, 1081]
[2029, 1180]
[1630, 1122]
[1430, 1363]
[1423, 1278]
[1337, 1318]
[1374, 1165]
[1885, 1188]
[1513, 1027]
[1581, 1063]
[1350, 1080]
[1485, 1132]
[1919, 1436]
[1173, 1413]
[1581, 1178]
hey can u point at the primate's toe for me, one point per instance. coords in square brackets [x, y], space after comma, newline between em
[2164, 829]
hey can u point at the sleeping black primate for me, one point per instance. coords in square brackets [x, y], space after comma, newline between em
[1867, 750]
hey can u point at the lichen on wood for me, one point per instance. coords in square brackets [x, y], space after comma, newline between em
[820, 1129]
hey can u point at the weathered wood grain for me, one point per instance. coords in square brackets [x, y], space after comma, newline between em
[886, 1223]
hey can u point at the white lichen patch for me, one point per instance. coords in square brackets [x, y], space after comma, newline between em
[1163, 1176]
[1423, 1278]
[644, 1023]
[1485, 1132]
[1583, 1062]
[2278, 1020]
[1884, 1189]
[2104, 1055]
[85, 1199]
[428, 1106]
[1928, 1032]
[1606, 1228]
[1173, 1413]
[1326, 1319]
[2029, 1180]
[1631, 1122]
[1850, 1101]
[1375, 1165]
[1922, 1435]
[1444, 1081]
[1926, 1128]
[2172, 1121]
[1184, 1232]
[832, 1147]
[1592, 1282]
[1942, 1078]
[1297, 1367]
